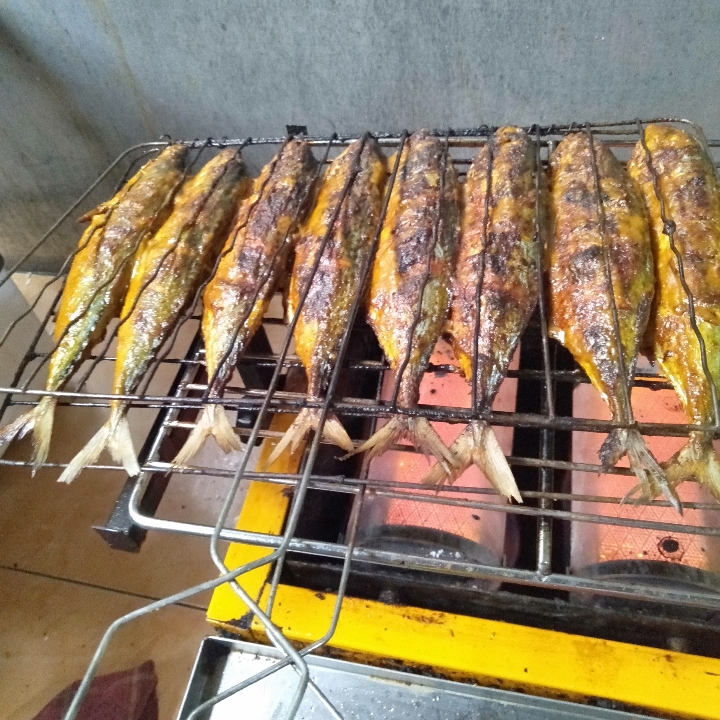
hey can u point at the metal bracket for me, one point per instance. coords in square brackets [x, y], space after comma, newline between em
[296, 129]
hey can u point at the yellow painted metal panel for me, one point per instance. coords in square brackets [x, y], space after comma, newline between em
[263, 511]
[502, 654]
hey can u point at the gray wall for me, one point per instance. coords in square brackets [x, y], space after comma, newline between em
[80, 81]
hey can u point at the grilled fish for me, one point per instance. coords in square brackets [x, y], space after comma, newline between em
[689, 188]
[97, 281]
[325, 315]
[581, 315]
[412, 271]
[236, 299]
[498, 260]
[164, 279]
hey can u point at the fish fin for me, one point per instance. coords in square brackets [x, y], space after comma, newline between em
[120, 445]
[40, 421]
[212, 420]
[306, 421]
[696, 461]
[652, 477]
[42, 432]
[437, 475]
[102, 209]
[478, 444]
[114, 436]
[416, 429]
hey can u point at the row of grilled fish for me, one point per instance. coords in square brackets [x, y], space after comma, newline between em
[459, 259]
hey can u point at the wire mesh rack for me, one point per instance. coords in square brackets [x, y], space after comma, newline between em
[546, 419]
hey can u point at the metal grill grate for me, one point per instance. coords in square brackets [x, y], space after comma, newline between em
[168, 400]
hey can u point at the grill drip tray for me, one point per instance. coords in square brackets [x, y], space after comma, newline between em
[357, 691]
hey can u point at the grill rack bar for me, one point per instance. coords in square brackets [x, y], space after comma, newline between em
[286, 402]
[264, 402]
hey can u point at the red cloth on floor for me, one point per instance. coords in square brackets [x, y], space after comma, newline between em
[125, 695]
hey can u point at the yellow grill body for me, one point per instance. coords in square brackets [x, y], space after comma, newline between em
[542, 662]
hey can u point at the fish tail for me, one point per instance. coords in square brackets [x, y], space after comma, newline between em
[308, 420]
[40, 421]
[416, 429]
[114, 436]
[697, 461]
[653, 479]
[478, 444]
[212, 420]
[44, 414]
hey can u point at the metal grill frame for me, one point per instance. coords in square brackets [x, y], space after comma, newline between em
[139, 500]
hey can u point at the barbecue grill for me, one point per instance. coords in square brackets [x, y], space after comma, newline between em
[328, 552]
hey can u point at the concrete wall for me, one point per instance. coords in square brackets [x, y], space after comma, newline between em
[82, 80]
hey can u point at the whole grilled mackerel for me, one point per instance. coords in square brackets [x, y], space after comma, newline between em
[253, 259]
[325, 315]
[421, 201]
[498, 260]
[689, 188]
[164, 279]
[581, 296]
[98, 279]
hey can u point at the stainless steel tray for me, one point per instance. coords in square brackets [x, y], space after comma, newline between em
[356, 691]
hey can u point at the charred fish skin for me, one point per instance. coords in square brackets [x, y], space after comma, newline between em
[253, 258]
[580, 311]
[165, 277]
[498, 254]
[98, 279]
[324, 317]
[509, 281]
[410, 246]
[406, 240]
[257, 250]
[167, 274]
[688, 185]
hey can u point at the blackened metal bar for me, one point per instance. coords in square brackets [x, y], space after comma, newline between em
[490, 149]
[353, 486]
[546, 475]
[286, 402]
[426, 277]
[669, 228]
[545, 485]
[542, 300]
